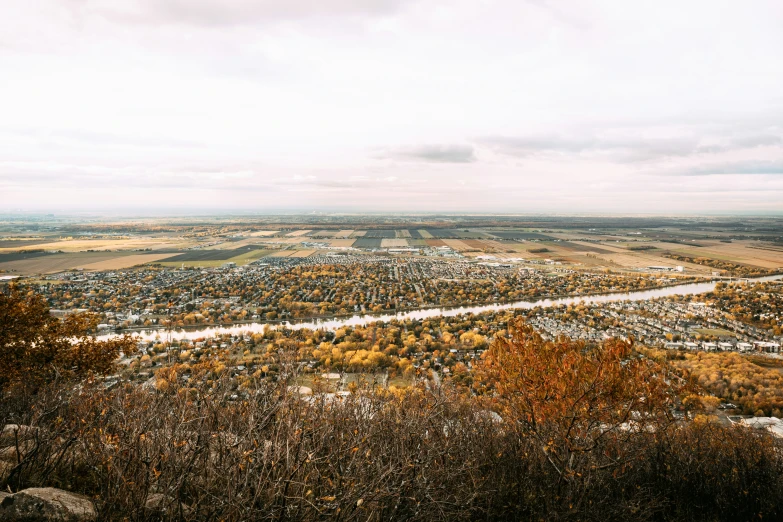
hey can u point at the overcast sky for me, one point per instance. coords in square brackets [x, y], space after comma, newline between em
[392, 105]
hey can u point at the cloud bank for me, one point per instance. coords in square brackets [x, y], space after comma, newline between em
[405, 105]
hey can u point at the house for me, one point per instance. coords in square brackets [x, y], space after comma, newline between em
[766, 346]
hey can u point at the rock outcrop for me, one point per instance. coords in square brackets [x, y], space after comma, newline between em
[46, 504]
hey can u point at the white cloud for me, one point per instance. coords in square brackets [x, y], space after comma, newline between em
[211, 13]
[392, 104]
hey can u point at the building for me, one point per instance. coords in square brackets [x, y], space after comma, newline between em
[766, 346]
[771, 424]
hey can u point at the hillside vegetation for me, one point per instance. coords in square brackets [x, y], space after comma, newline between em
[547, 430]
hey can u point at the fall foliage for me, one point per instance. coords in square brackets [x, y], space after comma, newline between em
[544, 430]
[37, 348]
[755, 389]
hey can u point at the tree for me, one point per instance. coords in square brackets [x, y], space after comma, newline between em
[37, 348]
[582, 405]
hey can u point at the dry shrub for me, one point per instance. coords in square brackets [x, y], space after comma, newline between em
[585, 433]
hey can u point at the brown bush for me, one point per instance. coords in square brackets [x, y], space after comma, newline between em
[585, 434]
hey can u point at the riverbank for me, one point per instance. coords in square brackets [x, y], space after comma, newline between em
[424, 313]
[396, 312]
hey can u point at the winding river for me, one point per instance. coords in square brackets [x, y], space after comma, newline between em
[362, 319]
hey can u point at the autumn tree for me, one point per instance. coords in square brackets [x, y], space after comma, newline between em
[37, 348]
[585, 407]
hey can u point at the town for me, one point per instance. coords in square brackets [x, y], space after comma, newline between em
[320, 286]
[400, 351]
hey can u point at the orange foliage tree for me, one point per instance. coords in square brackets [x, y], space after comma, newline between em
[37, 348]
[579, 402]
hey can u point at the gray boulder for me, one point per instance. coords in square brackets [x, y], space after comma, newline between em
[46, 504]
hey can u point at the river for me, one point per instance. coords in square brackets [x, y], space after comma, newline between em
[362, 319]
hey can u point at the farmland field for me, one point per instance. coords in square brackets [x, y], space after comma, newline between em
[20, 243]
[498, 246]
[458, 245]
[323, 233]
[211, 255]
[252, 242]
[576, 247]
[194, 264]
[46, 264]
[435, 243]
[117, 263]
[250, 255]
[514, 234]
[20, 256]
[303, 253]
[283, 240]
[368, 242]
[602, 247]
[642, 260]
[441, 233]
[470, 234]
[341, 242]
[394, 243]
[81, 245]
[614, 246]
[381, 233]
[475, 243]
[743, 253]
